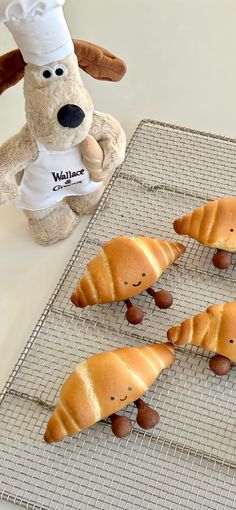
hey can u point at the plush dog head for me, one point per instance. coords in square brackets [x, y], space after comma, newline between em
[59, 109]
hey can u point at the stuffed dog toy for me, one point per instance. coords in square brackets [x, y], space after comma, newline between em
[57, 166]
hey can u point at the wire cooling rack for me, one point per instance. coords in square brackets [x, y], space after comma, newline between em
[188, 461]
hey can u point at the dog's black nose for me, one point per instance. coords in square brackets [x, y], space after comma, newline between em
[70, 116]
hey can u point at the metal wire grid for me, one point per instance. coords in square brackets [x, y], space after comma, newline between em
[188, 461]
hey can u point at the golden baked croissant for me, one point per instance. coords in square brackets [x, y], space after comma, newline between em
[214, 330]
[213, 224]
[104, 384]
[124, 268]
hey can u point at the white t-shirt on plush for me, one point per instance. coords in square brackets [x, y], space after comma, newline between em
[53, 176]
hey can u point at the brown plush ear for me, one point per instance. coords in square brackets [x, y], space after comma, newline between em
[94, 60]
[12, 68]
[98, 62]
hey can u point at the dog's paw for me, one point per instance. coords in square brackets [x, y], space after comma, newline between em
[113, 155]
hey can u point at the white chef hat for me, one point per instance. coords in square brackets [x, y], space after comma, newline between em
[39, 29]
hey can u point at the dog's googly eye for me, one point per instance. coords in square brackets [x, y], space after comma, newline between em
[46, 73]
[60, 71]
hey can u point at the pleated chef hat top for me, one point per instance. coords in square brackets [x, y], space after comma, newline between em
[39, 29]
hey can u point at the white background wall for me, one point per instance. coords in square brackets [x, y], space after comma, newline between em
[181, 69]
[180, 56]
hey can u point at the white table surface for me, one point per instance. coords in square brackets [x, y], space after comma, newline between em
[181, 69]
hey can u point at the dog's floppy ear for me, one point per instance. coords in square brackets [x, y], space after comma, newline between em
[94, 60]
[12, 68]
[98, 62]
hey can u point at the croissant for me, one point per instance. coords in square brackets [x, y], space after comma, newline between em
[124, 268]
[213, 224]
[104, 384]
[214, 330]
[92, 155]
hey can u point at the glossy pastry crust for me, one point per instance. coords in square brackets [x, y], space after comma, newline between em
[214, 330]
[213, 224]
[124, 268]
[104, 384]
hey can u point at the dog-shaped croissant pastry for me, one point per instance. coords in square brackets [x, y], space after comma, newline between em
[214, 330]
[104, 384]
[124, 268]
[213, 225]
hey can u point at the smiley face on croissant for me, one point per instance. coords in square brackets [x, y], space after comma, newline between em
[213, 224]
[124, 268]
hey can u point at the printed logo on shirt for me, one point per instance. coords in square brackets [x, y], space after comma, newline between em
[67, 183]
[62, 176]
[67, 178]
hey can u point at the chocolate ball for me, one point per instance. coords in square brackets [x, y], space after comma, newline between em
[220, 365]
[147, 417]
[134, 315]
[121, 426]
[163, 299]
[222, 259]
